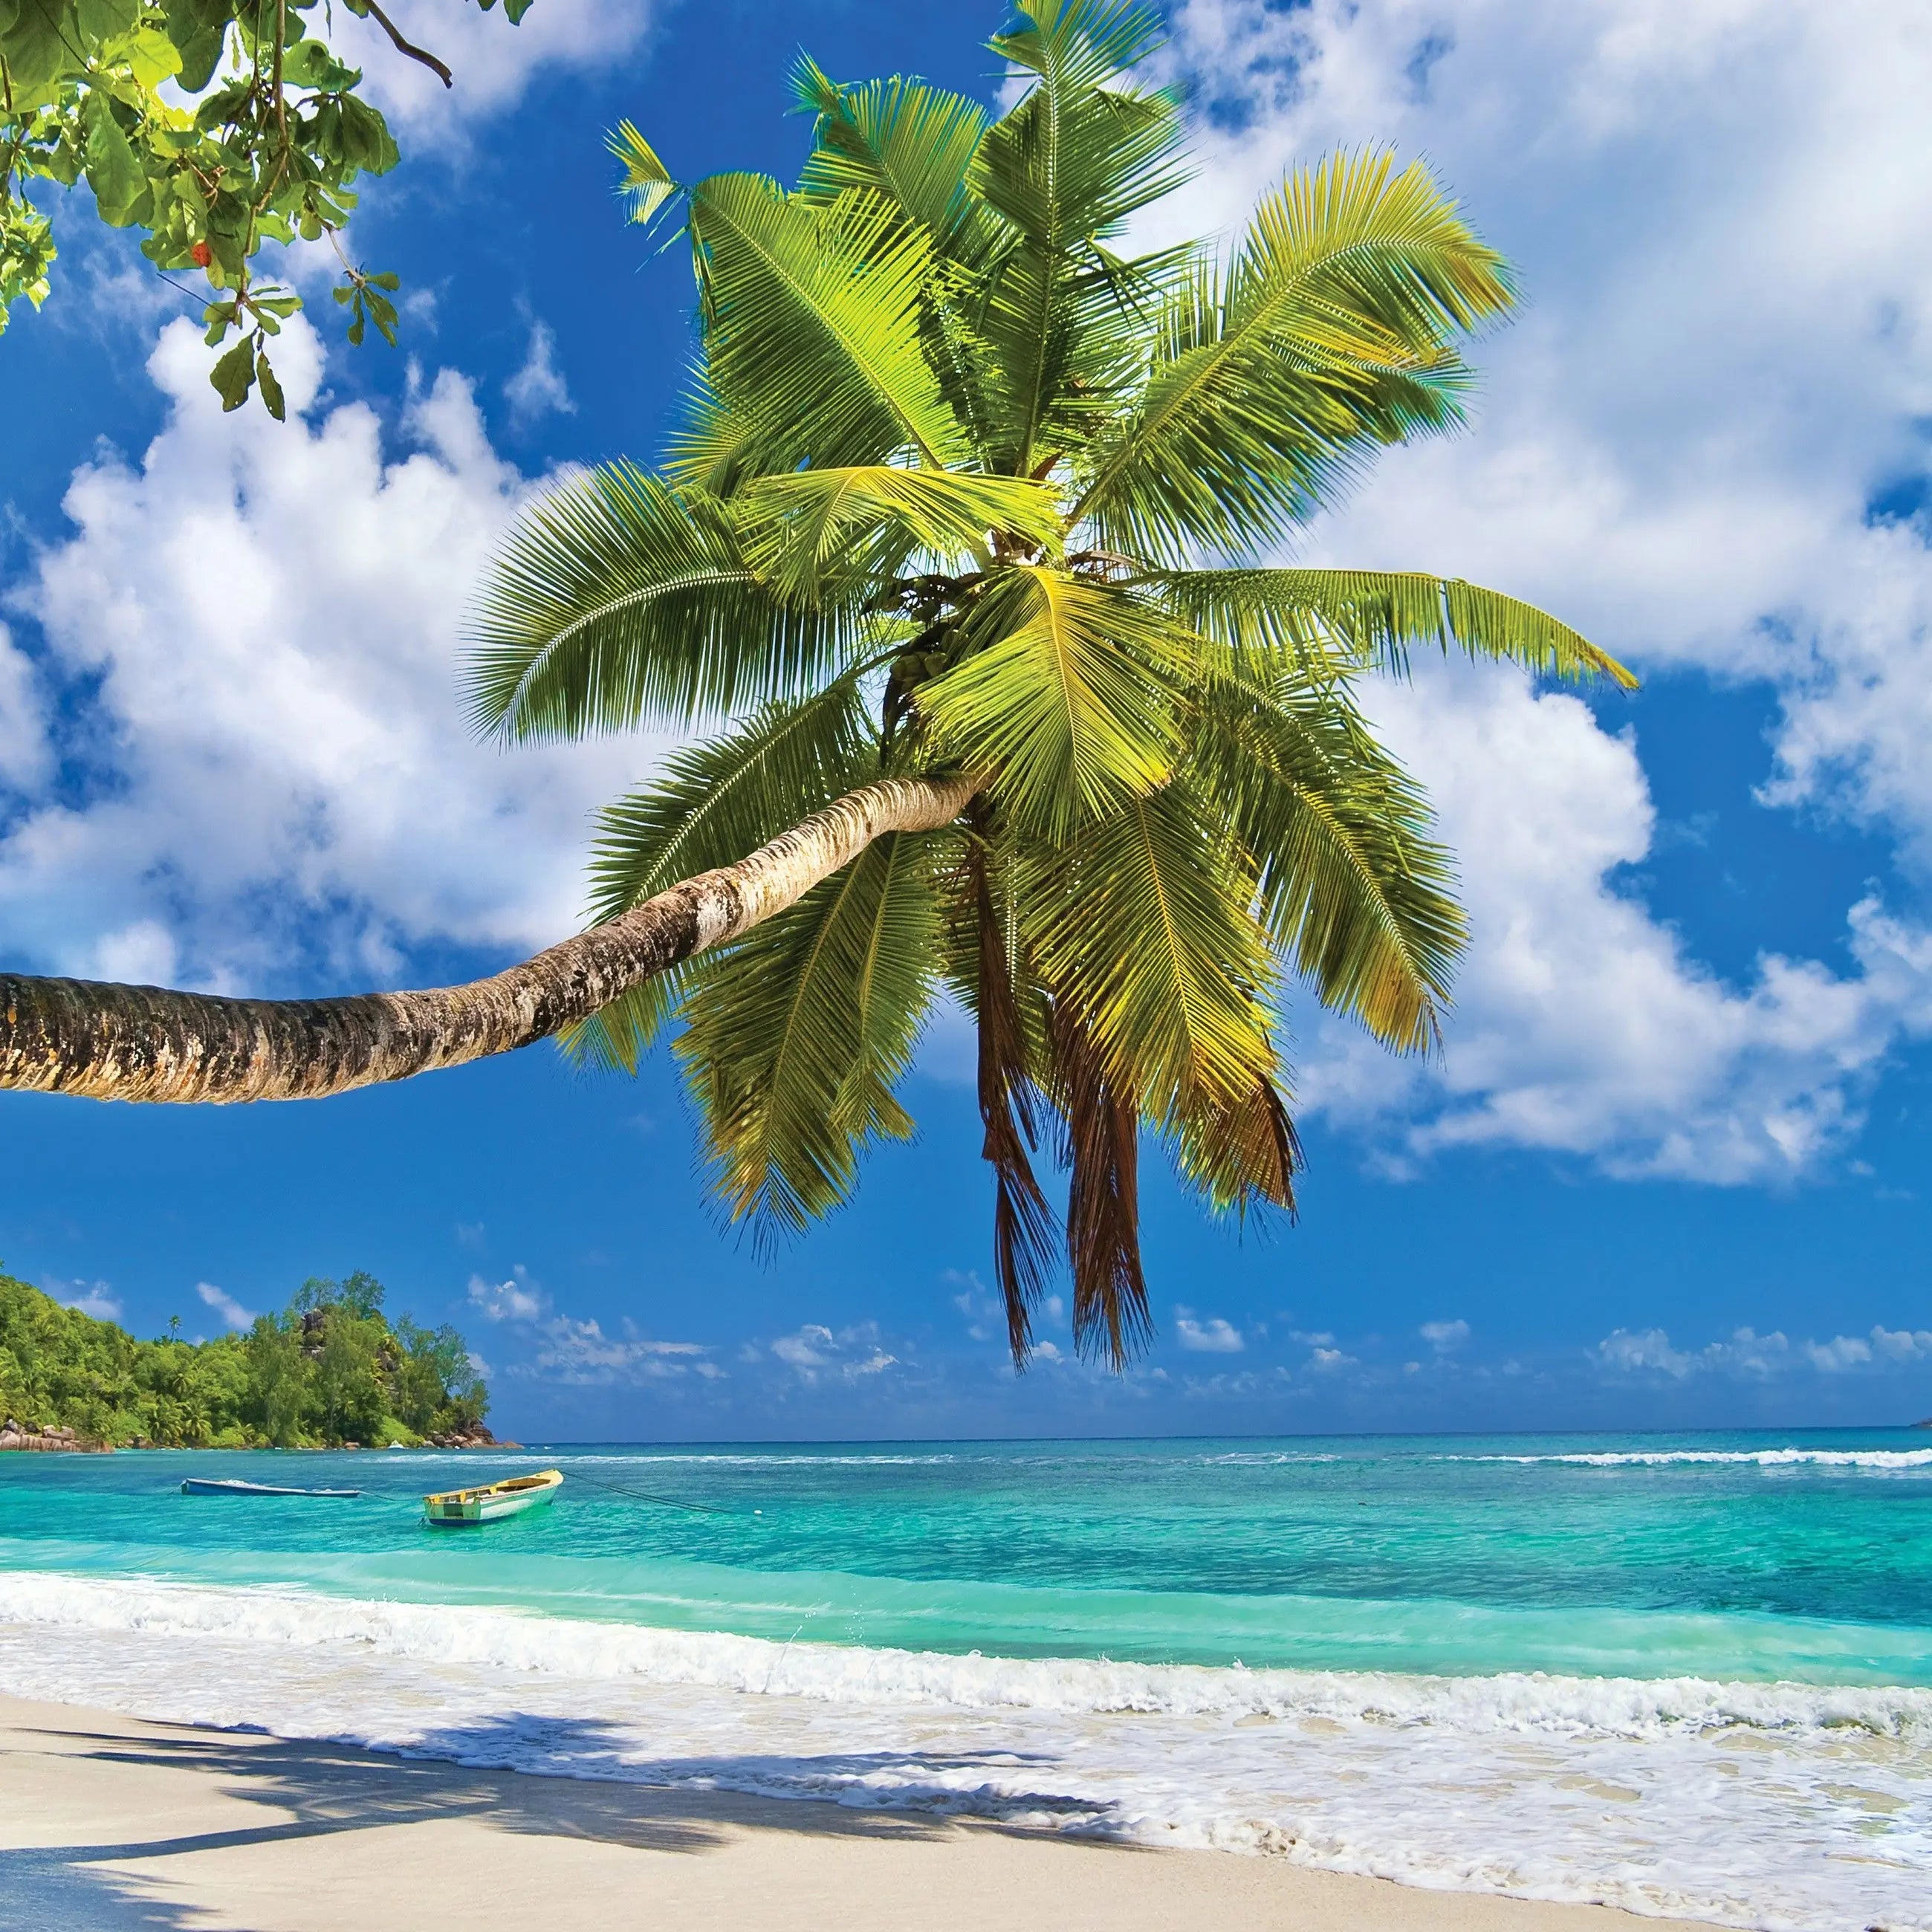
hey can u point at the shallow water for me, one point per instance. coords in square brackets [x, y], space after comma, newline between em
[1690, 1674]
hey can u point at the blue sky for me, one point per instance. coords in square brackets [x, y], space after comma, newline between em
[1668, 1171]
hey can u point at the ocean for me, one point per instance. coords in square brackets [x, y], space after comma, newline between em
[1687, 1675]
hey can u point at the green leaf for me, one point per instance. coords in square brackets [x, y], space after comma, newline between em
[272, 389]
[113, 171]
[1332, 331]
[910, 143]
[309, 64]
[233, 375]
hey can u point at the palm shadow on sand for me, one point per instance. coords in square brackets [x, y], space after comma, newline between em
[320, 1789]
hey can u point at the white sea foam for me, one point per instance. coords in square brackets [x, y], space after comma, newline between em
[1766, 1458]
[1778, 1805]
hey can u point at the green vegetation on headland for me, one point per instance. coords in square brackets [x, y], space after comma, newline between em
[331, 1370]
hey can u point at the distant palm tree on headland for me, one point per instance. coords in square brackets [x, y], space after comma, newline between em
[951, 560]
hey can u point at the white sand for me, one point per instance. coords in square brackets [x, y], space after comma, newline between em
[107, 1822]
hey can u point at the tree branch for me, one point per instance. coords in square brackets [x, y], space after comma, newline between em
[116, 1042]
[403, 46]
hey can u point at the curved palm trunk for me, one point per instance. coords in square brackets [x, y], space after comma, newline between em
[114, 1042]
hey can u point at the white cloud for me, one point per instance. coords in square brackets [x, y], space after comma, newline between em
[1326, 1361]
[283, 773]
[517, 1299]
[491, 62]
[814, 1353]
[1214, 1336]
[1903, 1345]
[1745, 1353]
[225, 1305]
[26, 758]
[579, 1353]
[1444, 1337]
[1724, 352]
[91, 1297]
[539, 387]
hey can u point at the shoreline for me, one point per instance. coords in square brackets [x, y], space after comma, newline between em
[109, 1822]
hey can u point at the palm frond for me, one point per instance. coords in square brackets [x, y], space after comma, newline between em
[905, 140]
[1103, 1242]
[1064, 169]
[1069, 705]
[1143, 925]
[812, 320]
[1242, 1156]
[808, 528]
[794, 1039]
[1331, 332]
[1023, 1223]
[645, 186]
[619, 600]
[715, 801]
[1352, 887]
[1375, 618]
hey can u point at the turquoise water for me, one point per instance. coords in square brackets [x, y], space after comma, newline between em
[1691, 1676]
[1457, 1556]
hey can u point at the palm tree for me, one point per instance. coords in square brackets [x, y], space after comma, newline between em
[953, 569]
[939, 511]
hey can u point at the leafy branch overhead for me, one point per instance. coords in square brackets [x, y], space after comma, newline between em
[211, 126]
[966, 491]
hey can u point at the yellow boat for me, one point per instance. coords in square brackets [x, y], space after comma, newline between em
[453, 1508]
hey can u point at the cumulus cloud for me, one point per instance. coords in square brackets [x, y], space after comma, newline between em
[278, 774]
[225, 1305]
[92, 1297]
[538, 388]
[1582, 1024]
[579, 1353]
[1214, 1336]
[1746, 1354]
[814, 1353]
[1444, 1337]
[517, 1299]
[1725, 359]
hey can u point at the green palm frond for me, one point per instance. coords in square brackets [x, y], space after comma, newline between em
[714, 801]
[901, 139]
[1144, 925]
[645, 185]
[1331, 331]
[1373, 619]
[1069, 702]
[803, 1028]
[1352, 887]
[812, 321]
[1063, 170]
[619, 602]
[809, 529]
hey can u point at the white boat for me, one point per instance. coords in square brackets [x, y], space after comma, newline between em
[452, 1509]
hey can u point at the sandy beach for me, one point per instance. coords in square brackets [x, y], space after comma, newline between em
[108, 1822]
